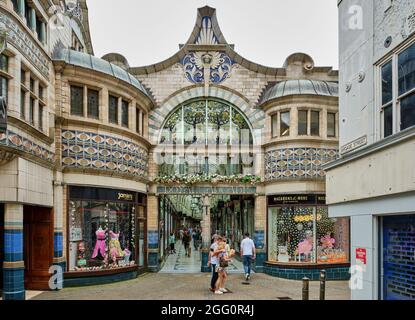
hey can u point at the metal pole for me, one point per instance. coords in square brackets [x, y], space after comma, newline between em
[323, 285]
[306, 288]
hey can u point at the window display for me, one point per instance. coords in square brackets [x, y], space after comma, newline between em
[102, 233]
[305, 234]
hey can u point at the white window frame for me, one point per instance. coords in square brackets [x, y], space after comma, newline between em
[396, 99]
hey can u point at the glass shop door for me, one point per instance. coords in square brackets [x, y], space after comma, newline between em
[141, 236]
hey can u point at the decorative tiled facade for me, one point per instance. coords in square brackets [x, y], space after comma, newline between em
[103, 152]
[18, 37]
[296, 163]
[333, 272]
[194, 65]
[16, 141]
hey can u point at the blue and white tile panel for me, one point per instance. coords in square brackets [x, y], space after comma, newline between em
[89, 150]
[297, 163]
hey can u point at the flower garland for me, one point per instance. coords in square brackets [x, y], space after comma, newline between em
[213, 179]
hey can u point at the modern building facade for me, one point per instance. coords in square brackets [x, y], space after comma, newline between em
[373, 181]
[101, 161]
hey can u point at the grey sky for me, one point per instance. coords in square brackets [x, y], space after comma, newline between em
[263, 31]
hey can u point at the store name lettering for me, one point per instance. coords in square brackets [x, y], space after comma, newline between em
[288, 198]
[125, 196]
[307, 218]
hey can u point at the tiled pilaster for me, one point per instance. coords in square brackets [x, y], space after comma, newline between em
[13, 267]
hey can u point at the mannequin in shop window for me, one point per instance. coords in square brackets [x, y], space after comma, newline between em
[100, 246]
[115, 246]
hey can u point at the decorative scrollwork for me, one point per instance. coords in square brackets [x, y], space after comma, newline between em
[194, 64]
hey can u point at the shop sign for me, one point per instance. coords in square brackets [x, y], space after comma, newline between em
[125, 196]
[205, 190]
[75, 234]
[101, 194]
[361, 256]
[3, 115]
[296, 199]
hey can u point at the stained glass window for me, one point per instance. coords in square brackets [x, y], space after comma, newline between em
[4, 84]
[274, 125]
[32, 111]
[22, 104]
[207, 124]
[285, 124]
[124, 113]
[331, 124]
[137, 120]
[315, 123]
[40, 117]
[4, 63]
[93, 104]
[194, 116]
[77, 101]
[302, 122]
[113, 109]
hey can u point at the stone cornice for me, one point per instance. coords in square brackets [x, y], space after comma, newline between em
[24, 126]
[303, 142]
[300, 98]
[65, 69]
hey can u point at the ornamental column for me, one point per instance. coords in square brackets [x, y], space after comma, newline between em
[33, 20]
[206, 236]
[153, 232]
[21, 8]
[58, 200]
[13, 266]
[260, 231]
[42, 35]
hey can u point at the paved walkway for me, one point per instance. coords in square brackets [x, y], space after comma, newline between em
[181, 279]
[180, 263]
[159, 286]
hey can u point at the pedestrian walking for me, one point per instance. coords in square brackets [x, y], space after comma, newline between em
[172, 242]
[248, 254]
[224, 259]
[181, 233]
[186, 242]
[194, 237]
[213, 262]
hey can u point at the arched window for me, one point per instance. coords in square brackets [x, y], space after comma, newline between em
[211, 127]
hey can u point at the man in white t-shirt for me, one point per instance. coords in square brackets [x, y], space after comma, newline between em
[213, 261]
[248, 254]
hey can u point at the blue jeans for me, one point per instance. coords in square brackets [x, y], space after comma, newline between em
[247, 260]
[215, 277]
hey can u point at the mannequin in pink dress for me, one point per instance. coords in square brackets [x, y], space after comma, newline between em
[100, 246]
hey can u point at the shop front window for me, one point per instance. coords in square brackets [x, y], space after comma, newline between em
[306, 234]
[102, 235]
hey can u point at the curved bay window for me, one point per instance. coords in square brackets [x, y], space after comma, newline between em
[211, 125]
[106, 229]
[300, 231]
